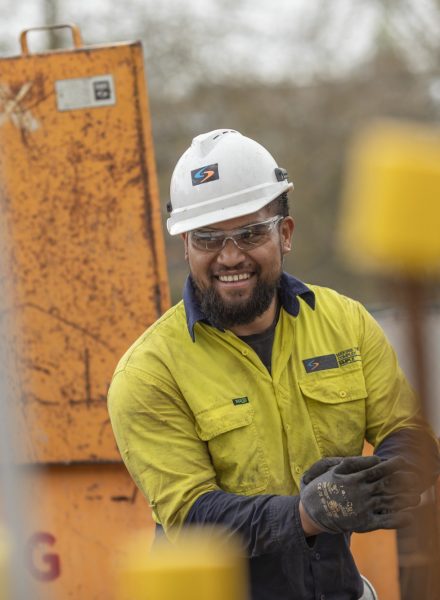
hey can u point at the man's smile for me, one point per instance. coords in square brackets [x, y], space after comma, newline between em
[234, 280]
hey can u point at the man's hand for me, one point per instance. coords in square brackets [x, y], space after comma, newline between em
[358, 494]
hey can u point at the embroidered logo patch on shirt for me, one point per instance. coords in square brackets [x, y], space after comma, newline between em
[238, 401]
[346, 357]
[332, 361]
[321, 363]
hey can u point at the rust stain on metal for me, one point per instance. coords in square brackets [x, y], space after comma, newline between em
[148, 174]
[86, 261]
[130, 499]
[87, 383]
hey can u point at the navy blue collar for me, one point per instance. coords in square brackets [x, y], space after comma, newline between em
[289, 290]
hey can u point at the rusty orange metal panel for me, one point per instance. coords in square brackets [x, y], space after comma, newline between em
[79, 534]
[84, 243]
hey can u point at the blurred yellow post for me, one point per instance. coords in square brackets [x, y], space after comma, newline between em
[4, 566]
[203, 563]
[390, 223]
[391, 211]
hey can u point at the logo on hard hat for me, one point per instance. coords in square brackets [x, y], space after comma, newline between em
[204, 174]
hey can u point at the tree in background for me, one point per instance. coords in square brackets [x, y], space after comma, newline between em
[298, 77]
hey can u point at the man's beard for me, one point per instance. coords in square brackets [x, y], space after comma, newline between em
[225, 315]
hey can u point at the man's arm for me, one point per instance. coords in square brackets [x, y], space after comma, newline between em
[338, 495]
[395, 426]
[418, 448]
[266, 523]
[157, 439]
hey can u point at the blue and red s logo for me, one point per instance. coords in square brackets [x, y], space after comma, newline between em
[312, 365]
[321, 363]
[205, 174]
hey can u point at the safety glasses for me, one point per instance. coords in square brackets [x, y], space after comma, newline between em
[246, 238]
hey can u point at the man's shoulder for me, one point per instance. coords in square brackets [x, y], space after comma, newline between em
[326, 296]
[170, 328]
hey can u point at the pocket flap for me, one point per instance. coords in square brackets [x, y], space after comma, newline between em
[218, 420]
[333, 388]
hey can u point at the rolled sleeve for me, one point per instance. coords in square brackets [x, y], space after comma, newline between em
[155, 434]
[391, 402]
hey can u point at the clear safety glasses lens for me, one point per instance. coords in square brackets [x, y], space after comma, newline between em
[246, 238]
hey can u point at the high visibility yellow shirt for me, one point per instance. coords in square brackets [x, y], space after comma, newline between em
[192, 416]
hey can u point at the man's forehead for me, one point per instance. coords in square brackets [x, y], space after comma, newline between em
[254, 217]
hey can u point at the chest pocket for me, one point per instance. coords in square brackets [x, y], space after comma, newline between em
[335, 401]
[235, 448]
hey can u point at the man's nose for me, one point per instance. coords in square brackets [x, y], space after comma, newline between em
[230, 255]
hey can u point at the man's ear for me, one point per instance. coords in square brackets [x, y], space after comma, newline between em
[286, 232]
[184, 237]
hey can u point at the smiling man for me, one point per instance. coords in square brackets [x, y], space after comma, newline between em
[248, 403]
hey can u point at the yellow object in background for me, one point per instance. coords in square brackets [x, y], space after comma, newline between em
[4, 565]
[391, 212]
[203, 563]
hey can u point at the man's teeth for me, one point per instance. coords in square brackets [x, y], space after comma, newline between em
[234, 277]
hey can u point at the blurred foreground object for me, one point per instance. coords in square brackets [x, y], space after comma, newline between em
[84, 276]
[391, 210]
[390, 223]
[203, 564]
[4, 565]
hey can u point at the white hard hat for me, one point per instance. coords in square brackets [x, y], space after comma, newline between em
[222, 175]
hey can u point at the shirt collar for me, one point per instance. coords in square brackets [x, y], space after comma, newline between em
[289, 290]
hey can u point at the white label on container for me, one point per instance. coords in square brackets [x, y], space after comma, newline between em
[87, 92]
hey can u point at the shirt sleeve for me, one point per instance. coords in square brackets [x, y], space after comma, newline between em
[418, 448]
[395, 426]
[266, 524]
[391, 402]
[156, 436]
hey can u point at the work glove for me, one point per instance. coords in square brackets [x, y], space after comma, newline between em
[360, 493]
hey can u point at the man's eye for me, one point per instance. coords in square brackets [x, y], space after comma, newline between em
[247, 234]
[253, 234]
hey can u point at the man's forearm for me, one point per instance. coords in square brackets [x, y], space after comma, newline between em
[418, 448]
[266, 523]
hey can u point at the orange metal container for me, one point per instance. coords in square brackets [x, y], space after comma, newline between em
[86, 274]
[85, 250]
[80, 533]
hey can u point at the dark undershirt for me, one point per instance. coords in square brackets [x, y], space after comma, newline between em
[262, 343]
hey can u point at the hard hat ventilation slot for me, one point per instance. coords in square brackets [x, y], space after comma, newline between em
[223, 133]
[280, 174]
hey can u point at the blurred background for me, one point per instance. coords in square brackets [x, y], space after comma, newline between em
[298, 76]
[301, 77]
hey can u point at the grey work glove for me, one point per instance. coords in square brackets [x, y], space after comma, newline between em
[359, 493]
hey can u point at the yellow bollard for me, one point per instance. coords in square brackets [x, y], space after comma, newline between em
[203, 563]
[390, 223]
[4, 566]
[391, 209]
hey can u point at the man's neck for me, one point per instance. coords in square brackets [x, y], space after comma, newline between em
[259, 324]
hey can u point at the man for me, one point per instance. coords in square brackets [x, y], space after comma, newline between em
[238, 405]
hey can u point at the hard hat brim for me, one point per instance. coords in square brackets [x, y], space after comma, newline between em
[179, 224]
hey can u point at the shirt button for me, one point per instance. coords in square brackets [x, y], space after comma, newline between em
[298, 469]
[245, 352]
[287, 427]
[318, 556]
[342, 394]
